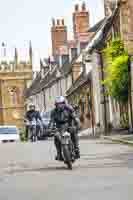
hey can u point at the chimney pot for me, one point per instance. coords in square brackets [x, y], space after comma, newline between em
[83, 6]
[63, 23]
[58, 22]
[76, 7]
[53, 22]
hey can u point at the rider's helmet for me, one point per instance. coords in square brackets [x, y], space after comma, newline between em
[60, 101]
[32, 107]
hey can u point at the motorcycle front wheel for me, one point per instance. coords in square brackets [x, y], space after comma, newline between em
[67, 156]
[33, 136]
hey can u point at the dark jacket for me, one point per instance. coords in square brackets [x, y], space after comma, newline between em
[64, 115]
[31, 114]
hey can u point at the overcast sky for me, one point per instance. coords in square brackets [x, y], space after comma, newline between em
[24, 20]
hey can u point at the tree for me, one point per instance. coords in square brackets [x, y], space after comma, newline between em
[116, 72]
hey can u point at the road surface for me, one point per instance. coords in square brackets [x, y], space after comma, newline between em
[29, 172]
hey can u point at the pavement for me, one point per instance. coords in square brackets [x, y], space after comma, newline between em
[121, 136]
[87, 134]
[29, 172]
[124, 139]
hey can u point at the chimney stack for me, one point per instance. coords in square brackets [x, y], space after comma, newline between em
[59, 37]
[80, 21]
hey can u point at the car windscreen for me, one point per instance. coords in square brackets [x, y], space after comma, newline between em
[5, 130]
[46, 115]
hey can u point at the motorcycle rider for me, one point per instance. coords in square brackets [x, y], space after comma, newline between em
[30, 115]
[64, 114]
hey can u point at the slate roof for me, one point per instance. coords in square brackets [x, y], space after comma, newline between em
[66, 68]
[96, 27]
[49, 79]
[100, 38]
[41, 83]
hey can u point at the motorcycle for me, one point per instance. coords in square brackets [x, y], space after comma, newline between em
[32, 130]
[67, 147]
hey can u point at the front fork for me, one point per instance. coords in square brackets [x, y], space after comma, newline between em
[33, 134]
[67, 141]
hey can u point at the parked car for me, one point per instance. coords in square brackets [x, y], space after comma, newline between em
[9, 134]
[46, 120]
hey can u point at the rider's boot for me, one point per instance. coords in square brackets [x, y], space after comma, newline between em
[75, 141]
[77, 154]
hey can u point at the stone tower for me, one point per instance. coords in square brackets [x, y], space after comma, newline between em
[59, 36]
[81, 23]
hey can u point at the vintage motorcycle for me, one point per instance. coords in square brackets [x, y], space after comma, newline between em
[32, 129]
[67, 147]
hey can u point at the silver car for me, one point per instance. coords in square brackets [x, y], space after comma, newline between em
[46, 120]
[9, 134]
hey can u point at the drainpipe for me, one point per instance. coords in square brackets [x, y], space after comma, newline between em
[104, 97]
[92, 107]
[130, 93]
[44, 100]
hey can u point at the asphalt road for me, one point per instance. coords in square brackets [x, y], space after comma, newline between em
[29, 172]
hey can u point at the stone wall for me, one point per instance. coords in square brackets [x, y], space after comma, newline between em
[12, 97]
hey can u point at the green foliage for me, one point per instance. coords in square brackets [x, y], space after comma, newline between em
[23, 135]
[115, 49]
[116, 80]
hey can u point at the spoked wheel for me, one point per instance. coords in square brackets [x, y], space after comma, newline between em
[33, 136]
[67, 156]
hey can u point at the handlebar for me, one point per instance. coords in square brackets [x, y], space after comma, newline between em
[57, 129]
